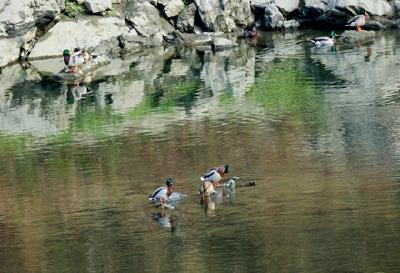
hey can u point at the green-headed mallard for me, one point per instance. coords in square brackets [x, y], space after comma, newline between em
[325, 40]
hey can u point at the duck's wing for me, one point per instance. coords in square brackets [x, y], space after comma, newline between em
[154, 194]
[356, 20]
[321, 39]
[208, 174]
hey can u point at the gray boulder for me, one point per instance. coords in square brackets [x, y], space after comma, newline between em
[147, 21]
[88, 32]
[11, 47]
[373, 7]
[224, 23]
[97, 6]
[260, 4]
[198, 39]
[185, 19]
[397, 6]
[317, 7]
[18, 17]
[238, 10]
[290, 24]
[353, 36]
[287, 6]
[172, 7]
[273, 18]
[132, 42]
[222, 44]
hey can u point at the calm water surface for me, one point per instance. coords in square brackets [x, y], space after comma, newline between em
[318, 129]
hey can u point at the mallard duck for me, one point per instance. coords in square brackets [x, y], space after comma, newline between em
[214, 175]
[325, 40]
[358, 21]
[161, 194]
[250, 32]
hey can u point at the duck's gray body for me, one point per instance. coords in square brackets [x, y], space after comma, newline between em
[357, 21]
[323, 41]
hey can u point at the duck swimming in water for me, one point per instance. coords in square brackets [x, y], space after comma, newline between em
[358, 21]
[250, 32]
[325, 41]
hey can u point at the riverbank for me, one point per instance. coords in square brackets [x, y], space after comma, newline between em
[42, 29]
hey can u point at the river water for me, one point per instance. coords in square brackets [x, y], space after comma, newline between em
[316, 128]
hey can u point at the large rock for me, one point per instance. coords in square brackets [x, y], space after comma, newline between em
[373, 7]
[185, 19]
[89, 32]
[273, 18]
[316, 7]
[17, 17]
[353, 36]
[222, 44]
[132, 42]
[172, 7]
[97, 6]
[224, 23]
[198, 39]
[397, 7]
[238, 10]
[287, 6]
[260, 4]
[146, 20]
[11, 47]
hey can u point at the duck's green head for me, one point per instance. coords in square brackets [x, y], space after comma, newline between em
[333, 34]
[228, 168]
[66, 52]
[169, 182]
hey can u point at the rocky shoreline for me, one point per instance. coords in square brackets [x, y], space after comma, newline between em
[40, 29]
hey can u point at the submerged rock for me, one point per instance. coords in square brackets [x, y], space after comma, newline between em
[353, 36]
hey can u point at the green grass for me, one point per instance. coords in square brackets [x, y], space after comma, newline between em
[72, 8]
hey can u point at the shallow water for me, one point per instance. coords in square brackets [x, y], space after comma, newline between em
[317, 129]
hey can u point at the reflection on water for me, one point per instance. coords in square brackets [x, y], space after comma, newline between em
[316, 128]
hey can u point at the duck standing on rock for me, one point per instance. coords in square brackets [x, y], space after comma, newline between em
[325, 40]
[358, 21]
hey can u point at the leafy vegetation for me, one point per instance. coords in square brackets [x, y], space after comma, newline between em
[72, 8]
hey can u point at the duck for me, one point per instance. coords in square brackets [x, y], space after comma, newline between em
[250, 32]
[325, 40]
[214, 175]
[358, 21]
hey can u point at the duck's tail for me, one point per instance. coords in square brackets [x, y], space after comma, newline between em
[202, 179]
